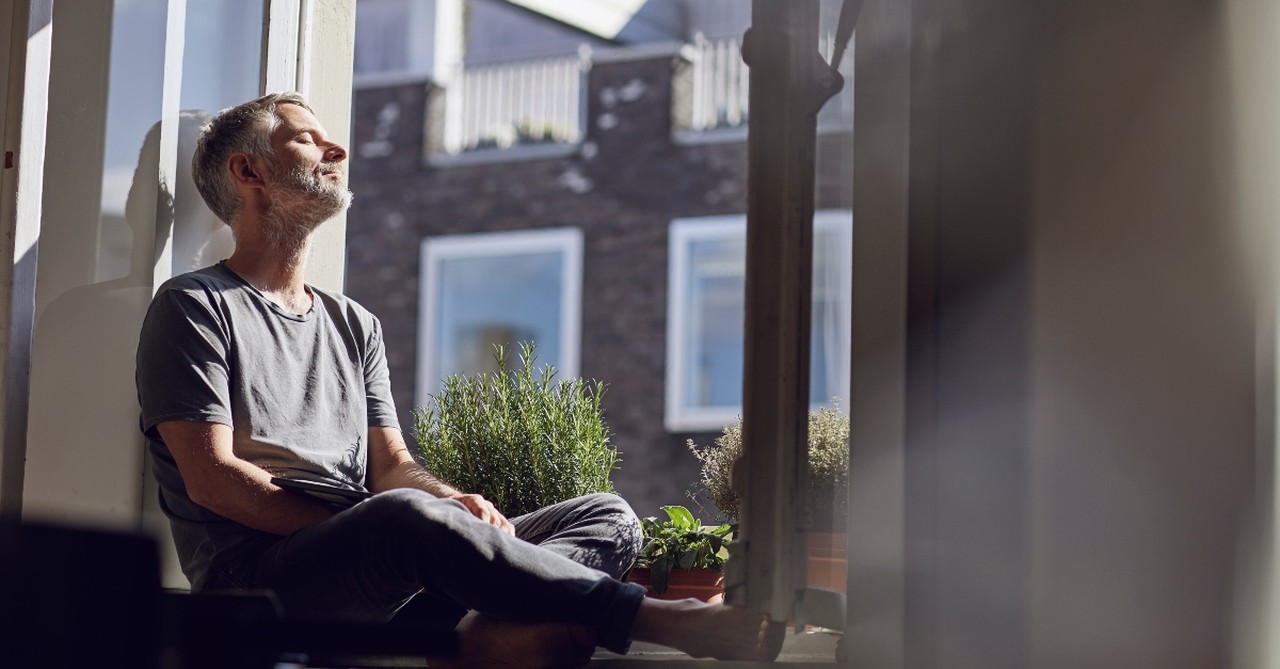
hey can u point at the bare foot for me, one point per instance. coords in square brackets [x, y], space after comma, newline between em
[709, 630]
[485, 643]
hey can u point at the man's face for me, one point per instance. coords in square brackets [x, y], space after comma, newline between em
[305, 174]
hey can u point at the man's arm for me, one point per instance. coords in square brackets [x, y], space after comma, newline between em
[233, 488]
[391, 466]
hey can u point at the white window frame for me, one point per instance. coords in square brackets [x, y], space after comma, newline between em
[678, 416]
[436, 250]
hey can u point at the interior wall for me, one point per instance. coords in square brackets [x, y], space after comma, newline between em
[1081, 449]
[969, 335]
[1141, 446]
[24, 134]
[1252, 41]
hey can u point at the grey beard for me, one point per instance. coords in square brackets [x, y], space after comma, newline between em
[300, 203]
[285, 233]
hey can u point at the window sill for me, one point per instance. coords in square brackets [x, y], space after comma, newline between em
[739, 134]
[508, 155]
[813, 647]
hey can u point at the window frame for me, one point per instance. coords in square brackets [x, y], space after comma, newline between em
[678, 416]
[435, 250]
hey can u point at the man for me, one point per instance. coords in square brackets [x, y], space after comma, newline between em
[245, 372]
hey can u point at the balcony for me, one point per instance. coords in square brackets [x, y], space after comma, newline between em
[538, 109]
[529, 108]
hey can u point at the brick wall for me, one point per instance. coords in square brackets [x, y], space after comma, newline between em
[622, 188]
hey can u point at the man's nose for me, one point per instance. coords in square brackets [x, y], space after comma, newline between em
[336, 153]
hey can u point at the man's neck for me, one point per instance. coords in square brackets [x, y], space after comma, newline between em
[276, 270]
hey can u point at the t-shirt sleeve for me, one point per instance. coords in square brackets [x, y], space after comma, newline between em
[377, 382]
[183, 362]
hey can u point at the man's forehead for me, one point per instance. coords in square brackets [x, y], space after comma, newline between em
[295, 118]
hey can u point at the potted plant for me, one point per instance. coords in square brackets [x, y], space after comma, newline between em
[681, 557]
[519, 437]
[828, 489]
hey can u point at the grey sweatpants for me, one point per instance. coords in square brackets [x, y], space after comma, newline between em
[369, 561]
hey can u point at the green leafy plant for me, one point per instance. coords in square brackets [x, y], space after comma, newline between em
[681, 542]
[828, 464]
[518, 437]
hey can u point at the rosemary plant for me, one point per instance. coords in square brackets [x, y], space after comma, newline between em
[520, 438]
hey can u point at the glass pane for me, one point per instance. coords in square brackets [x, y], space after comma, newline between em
[131, 149]
[829, 332]
[717, 306]
[829, 431]
[713, 334]
[497, 300]
[222, 57]
[382, 39]
[220, 69]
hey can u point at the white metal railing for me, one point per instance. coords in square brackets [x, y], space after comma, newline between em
[721, 86]
[510, 104]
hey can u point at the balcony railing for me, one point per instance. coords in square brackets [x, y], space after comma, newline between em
[540, 102]
[524, 103]
[721, 86]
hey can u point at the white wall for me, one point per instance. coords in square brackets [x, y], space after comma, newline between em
[26, 60]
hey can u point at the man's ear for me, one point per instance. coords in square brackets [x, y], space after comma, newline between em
[245, 170]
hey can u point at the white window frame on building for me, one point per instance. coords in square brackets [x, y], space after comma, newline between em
[436, 251]
[681, 414]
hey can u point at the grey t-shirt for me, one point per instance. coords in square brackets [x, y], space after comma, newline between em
[299, 392]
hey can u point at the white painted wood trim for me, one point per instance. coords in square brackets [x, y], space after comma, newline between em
[21, 192]
[326, 54]
[876, 619]
[174, 47]
[280, 39]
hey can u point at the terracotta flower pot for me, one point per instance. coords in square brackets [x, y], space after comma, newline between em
[704, 584]
[829, 560]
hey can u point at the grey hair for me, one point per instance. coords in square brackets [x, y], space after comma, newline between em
[245, 128]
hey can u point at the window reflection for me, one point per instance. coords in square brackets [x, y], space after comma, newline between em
[500, 289]
[221, 55]
[220, 69]
[708, 302]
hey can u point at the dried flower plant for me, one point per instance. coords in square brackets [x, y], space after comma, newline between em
[828, 463]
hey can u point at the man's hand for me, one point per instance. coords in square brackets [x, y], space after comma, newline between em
[485, 510]
[391, 466]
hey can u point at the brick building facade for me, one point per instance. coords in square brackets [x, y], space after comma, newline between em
[621, 186]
